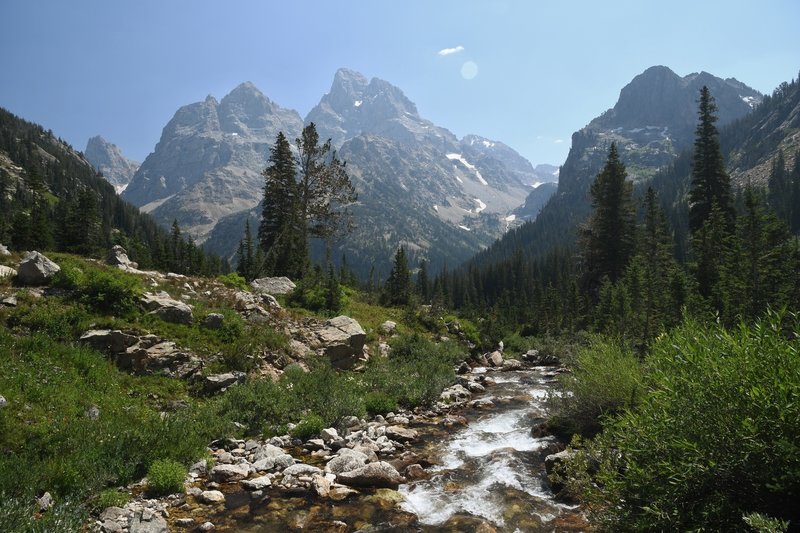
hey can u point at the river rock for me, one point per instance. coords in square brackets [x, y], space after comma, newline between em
[258, 483]
[207, 526]
[146, 521]
[329, 435]
[36, 269]
[373, 475]
[267, 451]
[346, 463]
[184, 522]
[4, 251]
[512, 364]
[454, 393]
[273, 286]
[495, 358]
[45, 502]
[342, 339]
[463, 368]
[415, 472]
[301, 469]
[553, 460]
[321, 485]
[7, 272]
[284, 461]
[211, 497]
[401, 434]
[539, 359]
[229, 473]
[166, 308]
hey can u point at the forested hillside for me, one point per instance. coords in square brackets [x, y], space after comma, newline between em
[52, 198]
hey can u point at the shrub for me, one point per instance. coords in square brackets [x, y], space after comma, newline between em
[110, 498]
[716, 439]
[166, 476]
[379, 403]
[16, 514]
[607, 378]
[308, 427]
[234, 280]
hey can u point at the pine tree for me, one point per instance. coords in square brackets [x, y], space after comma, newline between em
[333, 291]
[794, 213]
[608, 237]
[398, 287]
[780, 188]
[423, 286]
[325, 188]
[710, 182]
[282, 232]
[248, 260]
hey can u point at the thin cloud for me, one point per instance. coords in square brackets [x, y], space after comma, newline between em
[450, 51]
[558, 141]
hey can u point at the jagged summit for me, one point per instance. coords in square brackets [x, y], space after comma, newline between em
[107, 158]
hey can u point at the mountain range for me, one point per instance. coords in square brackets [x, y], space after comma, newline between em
[107, 158]
[419, 185]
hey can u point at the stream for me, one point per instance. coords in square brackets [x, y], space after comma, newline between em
[485, 476]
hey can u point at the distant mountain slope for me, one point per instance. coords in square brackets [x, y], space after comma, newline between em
[652, 122]
[107, 158]
[209, 160]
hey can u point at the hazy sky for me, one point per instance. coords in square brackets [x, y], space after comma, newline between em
[528, 73]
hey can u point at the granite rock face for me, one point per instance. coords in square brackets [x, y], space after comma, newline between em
[107, 158]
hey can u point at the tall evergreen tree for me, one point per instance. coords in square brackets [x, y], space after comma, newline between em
[282, 232]
[780, 188]
[710, 182]
[248, 260]
[423, 286]
[398, 287]
[608, 237]
[794, 213]
[325, 187]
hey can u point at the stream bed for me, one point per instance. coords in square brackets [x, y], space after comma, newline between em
[484, 474]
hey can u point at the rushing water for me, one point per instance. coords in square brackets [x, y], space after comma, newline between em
[486, 476]
[492, 468]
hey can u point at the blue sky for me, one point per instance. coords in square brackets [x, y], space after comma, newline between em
[527, 73]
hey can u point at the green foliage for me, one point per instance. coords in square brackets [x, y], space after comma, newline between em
[397, 290]
[166, 476]
[606, 379]
[318, 293]
[713, 440]
[234, 280]
[378, 402]
[103, 289]
[110, 498]
[308, 427]
[16, 515]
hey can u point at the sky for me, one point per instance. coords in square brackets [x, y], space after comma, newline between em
[527, 73]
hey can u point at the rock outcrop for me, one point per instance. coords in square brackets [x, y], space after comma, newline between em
[373, 475]
[36, 269]
[273, 286]
[342, 339]
[107, 158]
[166, 308]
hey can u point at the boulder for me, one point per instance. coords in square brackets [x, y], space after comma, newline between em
[211, 497]
[118, 256]
[7, 272]
[146, 521]
[495, 359]
[342, 339]
[207, 526]
[401, 434]
[3, 401]
[279, 285]
[4, 251]
[552, 460]
[321, 485]
[539, 359]
[219, 382]
[388, 328]
[415, 472]
[301, 469]
[454, 393]
[512, 364]
[166, 308]
[36, 269]
[463, 368]
[45, 502]
[284, 461]
[229, 473]
[329, 435]
[267, 451]
[258, 483]
[346, 463]
[373, 475]
[10, 301]
[213, 320]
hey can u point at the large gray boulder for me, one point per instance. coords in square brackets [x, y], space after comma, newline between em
[4, 251]
[220, 382]
[7, 272]
[346, 463]
[118, 256]
[229, 473]
[36, 269]
[166, 308]
[147, 521]
[3, 401]
[273, 286]
[373, 475]
[342, 339]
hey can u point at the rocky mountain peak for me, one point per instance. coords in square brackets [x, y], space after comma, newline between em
[107, 158]
[245, 108]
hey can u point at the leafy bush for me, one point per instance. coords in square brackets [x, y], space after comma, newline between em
[379, 403]
[166, 476]
[606, 379]
[110, 498]
[234, 280]
[103, 289]
[716, 438]
[308, 427]
[16, 514]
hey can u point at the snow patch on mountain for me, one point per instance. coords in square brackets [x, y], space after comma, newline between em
[470, 166]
